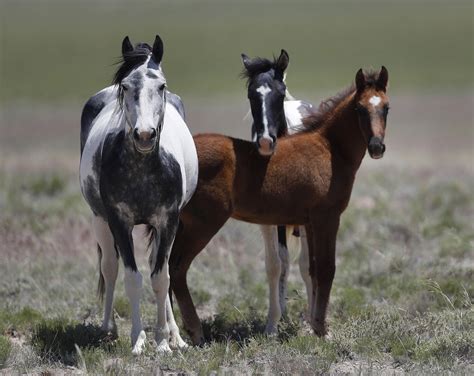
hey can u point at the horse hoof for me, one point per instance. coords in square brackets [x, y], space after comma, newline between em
[319, 328]
[163, 347]
[271, 330]
[178, 343]
[139, 344]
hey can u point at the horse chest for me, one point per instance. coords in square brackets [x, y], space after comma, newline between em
[138, 188]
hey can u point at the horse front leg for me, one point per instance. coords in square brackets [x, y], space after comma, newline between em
[164, 235]
[322, 255]
[133, 280]
[108, 264]
[273, 269]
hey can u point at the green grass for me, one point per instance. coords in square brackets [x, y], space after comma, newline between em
[56, 50]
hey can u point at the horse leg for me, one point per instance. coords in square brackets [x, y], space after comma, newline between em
[285, 267]
[273, 269]
[108, 263]
[132, 280]
[176, 342]
[165, 233]
[304, 268]
[190, 241]
[322, 253]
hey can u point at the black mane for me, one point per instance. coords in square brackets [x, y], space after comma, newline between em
[256, 66]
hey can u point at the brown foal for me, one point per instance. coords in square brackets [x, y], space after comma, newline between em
[307, 181]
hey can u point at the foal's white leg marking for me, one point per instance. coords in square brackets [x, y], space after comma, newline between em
[133, 288]
[264, 90]
[285, 271]
[176, 342]
[273, 268]
[304, 268]
[108, 267]
[375, 100]
[160, 282]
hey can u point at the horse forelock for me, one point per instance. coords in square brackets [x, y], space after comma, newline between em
[257, 66]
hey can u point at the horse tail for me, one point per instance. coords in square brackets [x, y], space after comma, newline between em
[150, 235]
[101, 284]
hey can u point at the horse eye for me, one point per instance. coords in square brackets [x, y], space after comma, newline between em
[124, 88]
[162, 87]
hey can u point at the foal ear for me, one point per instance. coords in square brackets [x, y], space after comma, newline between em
[246, 60]
[158, 49]
[282, 64]
[360, 80]
[127, 46]
[382, 80]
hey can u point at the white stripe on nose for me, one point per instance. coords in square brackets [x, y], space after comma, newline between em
[264, 90]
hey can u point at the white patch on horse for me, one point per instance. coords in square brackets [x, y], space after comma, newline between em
[293, 115]
[375, 100]
[264, 90]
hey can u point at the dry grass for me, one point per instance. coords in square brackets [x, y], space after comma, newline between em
[401, 302]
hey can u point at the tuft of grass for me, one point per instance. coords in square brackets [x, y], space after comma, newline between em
[5, 350]
[19, 321]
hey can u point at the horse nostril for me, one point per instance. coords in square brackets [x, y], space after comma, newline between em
[152, 134]
[265, 143]
[136, 134]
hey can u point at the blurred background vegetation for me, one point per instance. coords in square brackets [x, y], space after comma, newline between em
[63, 50]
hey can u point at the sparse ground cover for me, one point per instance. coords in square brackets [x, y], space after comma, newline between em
[401, 302]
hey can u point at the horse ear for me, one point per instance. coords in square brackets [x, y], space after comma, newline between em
[282, 64]
[158, 49]
[360, 80]
[382, 80]
[246, 60]
[127, 46]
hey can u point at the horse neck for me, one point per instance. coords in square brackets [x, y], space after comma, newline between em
[343, 133]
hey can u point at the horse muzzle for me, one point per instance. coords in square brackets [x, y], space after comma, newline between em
[266, 146]
[145, 141]
[376, 148]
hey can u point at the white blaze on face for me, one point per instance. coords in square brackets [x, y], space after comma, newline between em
[264, 90]
[374, 101]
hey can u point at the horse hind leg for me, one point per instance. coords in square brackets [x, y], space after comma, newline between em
[304, 269]
[285, 268]
[176, 342]
[273, 269]
[108, 264]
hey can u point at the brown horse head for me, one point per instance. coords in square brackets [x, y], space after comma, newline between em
[372, 109]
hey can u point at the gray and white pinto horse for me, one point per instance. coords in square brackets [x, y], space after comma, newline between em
[275, 114]
[138, 166]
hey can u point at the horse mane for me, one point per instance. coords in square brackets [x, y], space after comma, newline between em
[325, 109]
[256, 66]
[128, 62]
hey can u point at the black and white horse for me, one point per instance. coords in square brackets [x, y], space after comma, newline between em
[138, 166]
[275, 114]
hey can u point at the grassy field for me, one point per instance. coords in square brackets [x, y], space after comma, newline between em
[402, 300]
[63, 50]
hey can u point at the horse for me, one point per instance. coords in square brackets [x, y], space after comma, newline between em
[275, 114]
[318, 165]
[138, 166]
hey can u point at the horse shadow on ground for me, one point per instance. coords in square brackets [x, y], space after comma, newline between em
[59, 340]
[219, 329]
